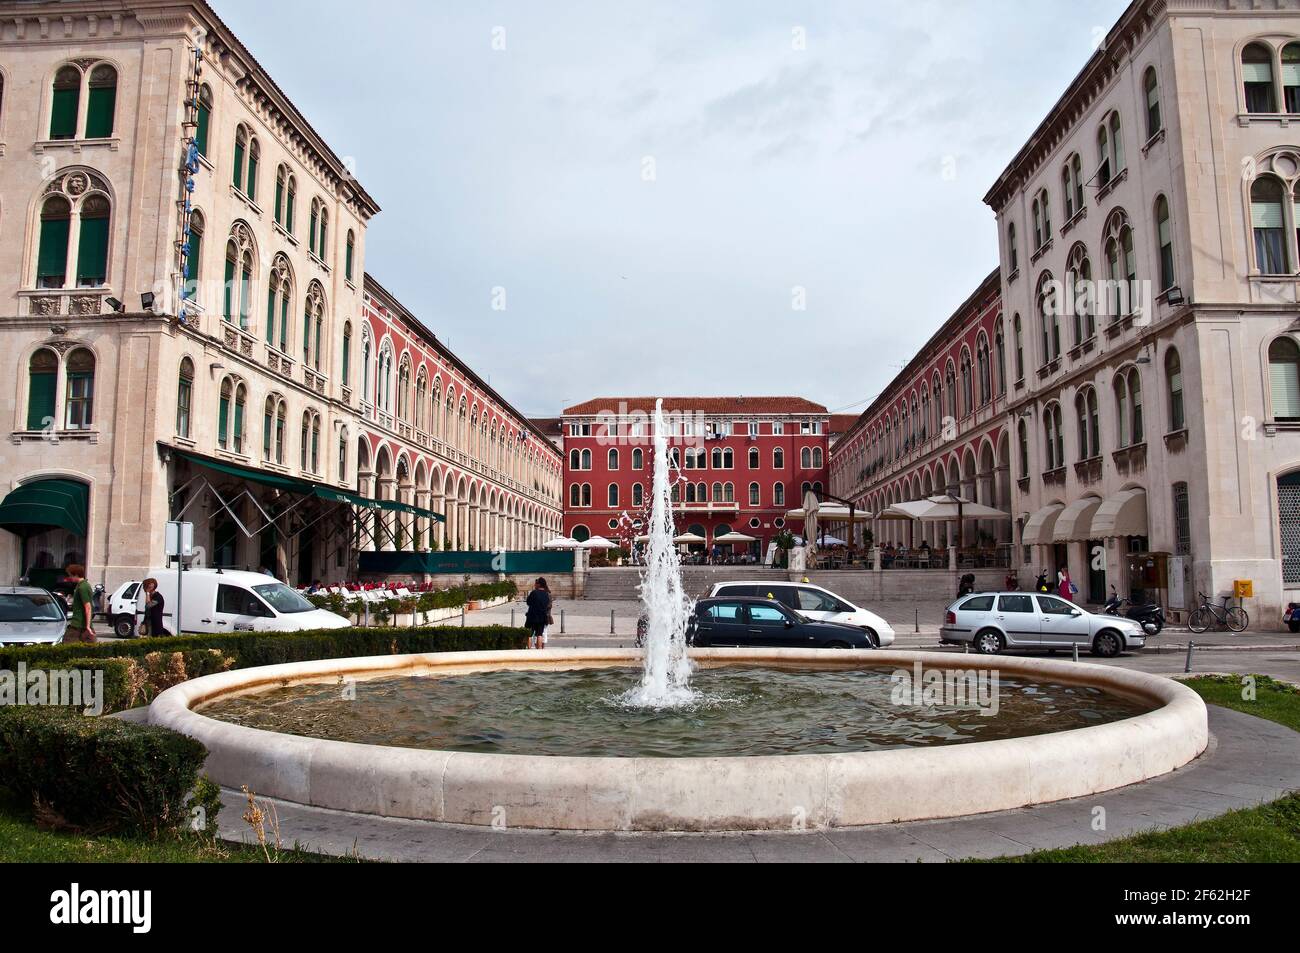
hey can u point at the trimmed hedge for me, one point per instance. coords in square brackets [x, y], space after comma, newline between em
[99, 774]
[250, 649]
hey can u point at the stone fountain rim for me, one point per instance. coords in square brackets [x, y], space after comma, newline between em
[693, 793]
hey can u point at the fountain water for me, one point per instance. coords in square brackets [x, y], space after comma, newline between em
[665, 680]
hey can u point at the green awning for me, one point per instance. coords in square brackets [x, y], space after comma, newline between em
[306, 487]
[42, 504]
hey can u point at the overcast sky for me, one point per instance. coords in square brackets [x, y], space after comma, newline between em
[649, 182]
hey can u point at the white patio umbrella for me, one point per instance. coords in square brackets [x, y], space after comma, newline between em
[562, 542]
[944, 508]
[599, 542]
[689, 539]
[734, 539]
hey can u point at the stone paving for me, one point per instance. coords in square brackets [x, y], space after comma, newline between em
[1250, 761]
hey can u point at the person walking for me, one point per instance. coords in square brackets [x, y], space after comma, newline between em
[1064, 587]
[81, 622]
[153, 609]
[538, 617]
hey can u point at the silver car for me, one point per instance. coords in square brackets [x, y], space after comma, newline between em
[30, 616]
[996, 621]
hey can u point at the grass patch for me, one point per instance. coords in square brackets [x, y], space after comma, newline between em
[1269, 834]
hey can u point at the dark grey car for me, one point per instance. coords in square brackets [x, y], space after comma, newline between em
[30, 616]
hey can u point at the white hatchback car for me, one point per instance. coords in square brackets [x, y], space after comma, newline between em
[814, 602]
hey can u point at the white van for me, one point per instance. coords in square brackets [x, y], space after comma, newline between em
[229, 600]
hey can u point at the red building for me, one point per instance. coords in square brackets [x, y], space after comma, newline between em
[738, 464]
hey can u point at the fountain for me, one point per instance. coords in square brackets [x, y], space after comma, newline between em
[620, 739]
[665, 680]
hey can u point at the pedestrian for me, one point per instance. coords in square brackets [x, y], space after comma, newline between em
[967, 585]
[538, 617]
[1064, 587]
[81, 622]
[153, 609]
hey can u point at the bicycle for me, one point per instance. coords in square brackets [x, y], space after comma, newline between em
[1233, 618]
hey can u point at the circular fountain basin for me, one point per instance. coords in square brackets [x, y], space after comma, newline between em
[833, 775]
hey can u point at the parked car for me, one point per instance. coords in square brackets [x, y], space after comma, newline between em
[123, 609]
[31, 616]
[764, 623]
[814, 602]
[216, 600]
[996, 621]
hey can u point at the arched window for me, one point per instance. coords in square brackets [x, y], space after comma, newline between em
[80, 396]
[805, 458]
[225, 398]
[1079, 284]
[1022, 433]
[101, 106]
[279, 290]
[1174, 390]
[818, 461]
[1165, 243]
[778, 458]
[193, 252]
[1110, 150]
[365, 377]
[586, 460]
[754, 494]
[1128, 408]
[318, 231]
[349, 255]
[66, 103]
[638, 459]
[204, 130]
[1087, 416]
[52, 254]
[238, 288]
[343, 455]
[1121, 266]
[586, 494]
[1018, 333]
[613, 495]
[638, 494]
[575, 494]
[613, 459]
[1037, 214]
[778, 494]
[1291, 77]
[1053, 437]
[1257, 77]
[950, 387]
[1072, 186]
[1013, 253]
[1284, 378]
[1152, 86]
[184, 398]
[346, 370]
[42, 389]
[1267, 216]
[985, 371]
[313, 332]
[75, 203]
[1049, 310]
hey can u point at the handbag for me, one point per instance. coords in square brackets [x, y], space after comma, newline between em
[1074, 590]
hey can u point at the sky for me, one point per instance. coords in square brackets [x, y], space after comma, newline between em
[588, 199]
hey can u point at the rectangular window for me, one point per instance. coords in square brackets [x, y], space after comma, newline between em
[778, 429]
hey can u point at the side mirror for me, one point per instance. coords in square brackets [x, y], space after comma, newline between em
[1075, 613]
[789, 623]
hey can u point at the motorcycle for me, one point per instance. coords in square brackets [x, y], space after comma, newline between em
[1292, 617]
[1150, 616]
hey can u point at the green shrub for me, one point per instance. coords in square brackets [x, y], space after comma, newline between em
[119, 682]
[249, 649]
[99, 774]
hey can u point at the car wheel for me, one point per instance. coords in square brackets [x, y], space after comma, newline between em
[124, 627]
[1107, 645]
[989, 642]
[872, 638]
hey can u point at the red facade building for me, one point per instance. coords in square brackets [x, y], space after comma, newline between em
[738, 464]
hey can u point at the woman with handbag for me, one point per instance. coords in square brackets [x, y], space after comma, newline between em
[539, 604]
[153, 609]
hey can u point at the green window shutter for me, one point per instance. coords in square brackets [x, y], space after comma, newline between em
[270, 315]
[306, 337]
[239, 165]
[347, 356]
[279, 201]
[192, 258]
[101, 107]
[40, 400]
[348, 266]
[311, 233]
[228, 296]
[252, 178]
[245, 304]
[63, 116]
[52, 259]
[239, 425]
[201, 134]
[223, 418]
[92, 253]
[288, 213]
[284, 323]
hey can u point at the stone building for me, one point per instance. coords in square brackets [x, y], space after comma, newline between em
[1150, 270]
[182, 297]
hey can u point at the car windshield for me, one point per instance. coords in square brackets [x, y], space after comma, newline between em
[283, 599]
[33, 607]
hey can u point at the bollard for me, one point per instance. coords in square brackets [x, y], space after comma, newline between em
[462, 616]
[611, 621]
[561, 622]
[512, 618]
[1187, 669]
[965, 648]
[918, 620]
[1076, 651]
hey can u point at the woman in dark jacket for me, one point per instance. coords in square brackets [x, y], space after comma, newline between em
[539, 614]
[153, 608]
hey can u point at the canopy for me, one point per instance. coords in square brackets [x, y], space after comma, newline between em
[562, 542]
[730, 538]
[1074, 525]
[1038, 531]
[833, 513]
[41, 504]
[1124, 514]
[306, 487]
[599, 542]
[946, 507]
[689, 539]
